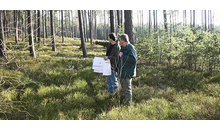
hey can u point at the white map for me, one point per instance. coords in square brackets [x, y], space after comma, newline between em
[101, 66]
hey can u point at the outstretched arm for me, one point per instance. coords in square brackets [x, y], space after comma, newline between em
[105, 44]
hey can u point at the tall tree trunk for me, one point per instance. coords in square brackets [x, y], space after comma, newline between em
[184, 17]
[23, 26]
[38, 26]
[95, 27]
[149, 21]
[165, 20]
[129, 25]
[30, 33]
[194, 18]
[2, 37]
[66, 28]
[46, 24]
[35, 25]
[81, 34]
[84, 24]
[70, 33]
[190, 18]
[205, 21]
[73, 25]
[112, 24]
[43, 26]
[208, 19]
[104, 26]
[142, 22]
[62, 32]
[90, 25]
[119, 22]
[155, 26]
[52, 31]
[6, 28]
[86, 30]
[16, 26]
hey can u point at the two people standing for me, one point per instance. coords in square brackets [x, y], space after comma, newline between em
[123, 60]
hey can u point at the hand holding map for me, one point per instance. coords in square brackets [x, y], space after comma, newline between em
[101, 66]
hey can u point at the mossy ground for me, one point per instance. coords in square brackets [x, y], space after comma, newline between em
[62, 86]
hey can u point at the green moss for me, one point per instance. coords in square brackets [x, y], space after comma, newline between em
[62, 85]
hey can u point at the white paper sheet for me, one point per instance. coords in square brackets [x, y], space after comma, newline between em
[101, 66]
[107, 68]
[97, 62]
[98, 69]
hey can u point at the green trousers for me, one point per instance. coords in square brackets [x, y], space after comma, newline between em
[126, 87]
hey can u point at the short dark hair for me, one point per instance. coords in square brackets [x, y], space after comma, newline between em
[124, 37]
[112, 36]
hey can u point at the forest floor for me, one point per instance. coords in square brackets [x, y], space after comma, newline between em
[62, 86]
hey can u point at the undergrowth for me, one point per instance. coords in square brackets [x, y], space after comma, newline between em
[62, 86]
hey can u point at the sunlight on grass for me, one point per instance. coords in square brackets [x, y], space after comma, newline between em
[61, 85]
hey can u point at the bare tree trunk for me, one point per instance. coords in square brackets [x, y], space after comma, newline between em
[52, 31]
[5, 22]
[205, 22]
[16, 26]
[62, 32]
[90, 25]
[70, 33]
[119, 20]
[84, 24]
[129, 25]
[165, 20]
[35, 25]
[38, 26]
[73, 25]
[154, 20]
[43, 26]
[184, 18]
[104, 26]
[112, 24]
[81, 34]
[23, 26]
[194, 18]
[46, 23]
[95, 27]
[30, 33]
[149, 21]
[86, 28]
[3, 52]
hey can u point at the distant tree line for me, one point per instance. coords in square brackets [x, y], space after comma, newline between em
[36, 26]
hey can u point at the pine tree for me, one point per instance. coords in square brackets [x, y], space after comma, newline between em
[52, 31]
[16, 25]
[129, 25]
[2, 38]
[112, 24]
[82, 34]
[30, 33]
